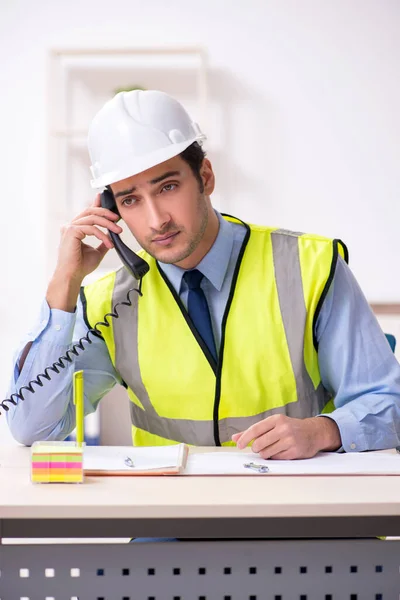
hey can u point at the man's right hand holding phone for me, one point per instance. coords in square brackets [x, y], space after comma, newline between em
[77, 259]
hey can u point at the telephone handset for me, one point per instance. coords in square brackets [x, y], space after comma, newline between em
[136, 265]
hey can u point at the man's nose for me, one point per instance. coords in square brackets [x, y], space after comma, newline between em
[158, 217]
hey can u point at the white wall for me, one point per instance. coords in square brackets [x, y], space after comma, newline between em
[309, 96]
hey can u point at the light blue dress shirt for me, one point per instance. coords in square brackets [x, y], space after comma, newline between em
[356, 363]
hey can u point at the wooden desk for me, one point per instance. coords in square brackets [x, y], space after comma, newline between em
[199, 507]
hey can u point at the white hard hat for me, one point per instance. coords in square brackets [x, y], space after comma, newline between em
[135, 131]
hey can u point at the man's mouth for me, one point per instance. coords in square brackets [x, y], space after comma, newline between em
[164, 240]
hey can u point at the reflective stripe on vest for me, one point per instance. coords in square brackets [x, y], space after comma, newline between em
[308, 397]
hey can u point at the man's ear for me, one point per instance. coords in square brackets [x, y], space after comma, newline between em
[207, 176]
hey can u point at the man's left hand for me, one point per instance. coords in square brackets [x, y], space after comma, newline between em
[286, 438]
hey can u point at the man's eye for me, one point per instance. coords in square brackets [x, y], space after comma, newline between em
[169, 187]
[128, 201]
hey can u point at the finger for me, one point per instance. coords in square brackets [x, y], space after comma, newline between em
[102, 249]
[289, 454]
[266, 440]
[98, 210]
[97, 200]
[255, 431]
[272, 450]
[89, 230]
[100, 221]
[236, 436]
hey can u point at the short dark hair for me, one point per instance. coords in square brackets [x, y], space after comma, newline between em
[194, 155]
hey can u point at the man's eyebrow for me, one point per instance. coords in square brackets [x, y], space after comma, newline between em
[162, 177]
[152, 182]
[125, 192]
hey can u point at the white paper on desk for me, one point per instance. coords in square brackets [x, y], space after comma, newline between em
[327, 463]
[112, 458]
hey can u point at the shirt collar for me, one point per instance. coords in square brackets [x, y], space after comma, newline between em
[214, 264]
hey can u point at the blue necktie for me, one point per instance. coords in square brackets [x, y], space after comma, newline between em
[198, 309]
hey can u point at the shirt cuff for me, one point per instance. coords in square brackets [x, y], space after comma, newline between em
[353, 439]
[54, 326]
[57, 320]
[59, 327]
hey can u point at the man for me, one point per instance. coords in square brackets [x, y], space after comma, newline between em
[240, 334]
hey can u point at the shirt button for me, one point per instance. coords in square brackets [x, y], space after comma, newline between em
[352, 446]
[57, 327]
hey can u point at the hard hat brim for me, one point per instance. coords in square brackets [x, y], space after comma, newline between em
[142, 163]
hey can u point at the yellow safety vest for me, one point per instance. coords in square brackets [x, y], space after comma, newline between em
[267, 363]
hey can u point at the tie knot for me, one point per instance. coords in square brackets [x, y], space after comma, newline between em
[193, 279]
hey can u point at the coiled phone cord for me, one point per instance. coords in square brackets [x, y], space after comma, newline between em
[75, 350]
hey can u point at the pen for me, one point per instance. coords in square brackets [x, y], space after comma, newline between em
[78, 401]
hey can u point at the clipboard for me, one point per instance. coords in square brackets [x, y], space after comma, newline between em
[135, 461]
